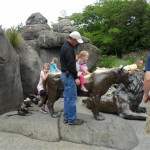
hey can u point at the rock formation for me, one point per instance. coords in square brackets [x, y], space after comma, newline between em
[20, 71]
[47, 43]
[11, 92]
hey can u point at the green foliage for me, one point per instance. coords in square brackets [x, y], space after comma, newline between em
[114, 61]
[111, 61]
[116, 26]
[14, 37]
[19, 27]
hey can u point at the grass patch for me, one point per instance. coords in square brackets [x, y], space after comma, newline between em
[14, 37]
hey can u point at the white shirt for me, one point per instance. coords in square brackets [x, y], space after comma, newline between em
[40, 84]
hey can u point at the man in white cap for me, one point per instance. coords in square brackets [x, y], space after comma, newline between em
[69, 78]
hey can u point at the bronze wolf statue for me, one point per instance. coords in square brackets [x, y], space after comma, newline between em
[123, 101]
[97, 84]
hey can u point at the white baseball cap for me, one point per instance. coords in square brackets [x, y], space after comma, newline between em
[76, 35]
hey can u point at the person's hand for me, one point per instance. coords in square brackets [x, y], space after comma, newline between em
[77, 81]
[146, 98]
[87, 72]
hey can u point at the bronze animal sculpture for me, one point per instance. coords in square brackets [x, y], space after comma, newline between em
[123, 101]
[97, 84]
[22, 109]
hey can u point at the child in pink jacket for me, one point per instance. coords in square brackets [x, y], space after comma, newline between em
[82, 68]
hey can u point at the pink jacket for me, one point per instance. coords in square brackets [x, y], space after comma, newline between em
[81, 68]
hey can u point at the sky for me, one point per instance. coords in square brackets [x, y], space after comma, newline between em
[14, 12]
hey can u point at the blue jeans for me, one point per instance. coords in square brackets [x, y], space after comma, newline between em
[70, 97]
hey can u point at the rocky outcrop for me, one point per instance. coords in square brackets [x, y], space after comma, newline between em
[42, 45]
[30, 66]
[31, 32]
[63, 26]
[11, 94]
[48, 43]
[36, 18]
[113, 132]
[50, 39]
[20, 73]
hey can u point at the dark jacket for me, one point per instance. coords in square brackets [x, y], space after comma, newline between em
[67, 59]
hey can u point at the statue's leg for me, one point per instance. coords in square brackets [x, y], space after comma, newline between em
[128, 114]
[53, 96]
[95, 108]
[88, 102]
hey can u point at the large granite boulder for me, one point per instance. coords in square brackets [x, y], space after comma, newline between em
[63, 26]
[31, 32]
[36, 18]
[34, 25]
[113, 132]
[30, 67]
[48, 43]
[44, 44]
[10, 81]
[50, 39]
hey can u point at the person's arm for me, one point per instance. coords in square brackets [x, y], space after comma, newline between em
[77, 81]
[84, 69]
[56, 68]
[146, 96]
[44, 76]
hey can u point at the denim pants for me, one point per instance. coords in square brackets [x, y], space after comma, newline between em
[70, 97]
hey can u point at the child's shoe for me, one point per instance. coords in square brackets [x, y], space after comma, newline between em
[43, 111]
[84, 89]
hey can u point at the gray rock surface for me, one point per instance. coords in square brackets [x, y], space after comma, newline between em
[43, 132]
[19, 142]
[112, 132]
[30, 67]
[31, 32]
[47, 43]
[49, 39]
[64, 26]
[38, 126]
[10, 81]
[36, 18]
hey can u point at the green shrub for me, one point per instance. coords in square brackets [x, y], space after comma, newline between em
[14, 37]
[113, 61]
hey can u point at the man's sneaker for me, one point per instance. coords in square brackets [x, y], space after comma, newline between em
[65, 121]
[43, 111]
[77, 122]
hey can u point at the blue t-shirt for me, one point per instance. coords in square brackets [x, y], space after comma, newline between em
[147, 67]
[53, 67]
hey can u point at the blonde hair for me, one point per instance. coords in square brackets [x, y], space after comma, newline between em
[46, 65]
[139, 61]
[54, 60]
[83, 53]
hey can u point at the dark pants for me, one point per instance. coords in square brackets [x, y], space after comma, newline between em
[44, 95]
